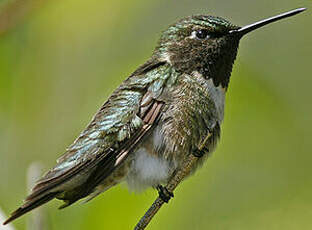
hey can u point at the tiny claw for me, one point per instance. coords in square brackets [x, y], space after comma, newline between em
[198, 153]
[164, 194]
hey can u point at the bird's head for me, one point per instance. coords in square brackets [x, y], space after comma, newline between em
[206, 44]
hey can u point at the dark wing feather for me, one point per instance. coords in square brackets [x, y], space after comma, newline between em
[27, 207]
[113, 133]
[107, 165]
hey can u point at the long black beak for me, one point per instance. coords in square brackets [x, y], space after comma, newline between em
[246, 29]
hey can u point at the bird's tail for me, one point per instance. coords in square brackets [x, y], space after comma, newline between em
[30, 205]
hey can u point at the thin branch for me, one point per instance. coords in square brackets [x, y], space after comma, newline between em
[172, 184]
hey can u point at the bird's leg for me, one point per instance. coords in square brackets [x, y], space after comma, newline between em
[202, 149]
[164, 194]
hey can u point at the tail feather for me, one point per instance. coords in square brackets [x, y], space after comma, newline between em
[30, 205]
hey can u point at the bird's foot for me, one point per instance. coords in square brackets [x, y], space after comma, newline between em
[198, 153]
[164, 194]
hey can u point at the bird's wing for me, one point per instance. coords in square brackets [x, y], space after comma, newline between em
[115, 128]
[113, 133]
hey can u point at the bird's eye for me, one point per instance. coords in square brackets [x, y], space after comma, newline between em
[202, 34]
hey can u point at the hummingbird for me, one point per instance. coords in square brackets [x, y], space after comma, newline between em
[170, 107]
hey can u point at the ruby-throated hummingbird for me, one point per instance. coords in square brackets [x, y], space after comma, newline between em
[170, 107]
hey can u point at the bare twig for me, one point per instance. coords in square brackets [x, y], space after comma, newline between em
[172, 184]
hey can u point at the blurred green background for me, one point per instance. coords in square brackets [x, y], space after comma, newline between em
[61, 61]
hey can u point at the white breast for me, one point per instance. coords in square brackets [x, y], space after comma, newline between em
[217, 94]
[147, 170]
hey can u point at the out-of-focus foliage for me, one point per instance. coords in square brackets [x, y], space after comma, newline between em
[59, 64]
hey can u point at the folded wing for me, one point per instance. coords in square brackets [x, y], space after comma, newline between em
[116, 129]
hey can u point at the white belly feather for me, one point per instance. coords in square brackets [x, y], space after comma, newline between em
[147, 170]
